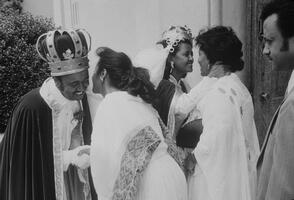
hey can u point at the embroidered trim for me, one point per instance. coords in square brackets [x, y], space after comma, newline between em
[177, 153]
[56, 102]
[57, 155]
[134, 161]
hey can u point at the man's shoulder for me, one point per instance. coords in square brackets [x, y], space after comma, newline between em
[289, 101]
[33, 100]
[290, 96]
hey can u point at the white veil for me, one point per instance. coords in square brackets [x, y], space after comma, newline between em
[154, 60]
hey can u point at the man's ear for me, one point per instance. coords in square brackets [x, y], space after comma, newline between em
[58, 82]
[103, 75]
[289, 55]
[291, 44]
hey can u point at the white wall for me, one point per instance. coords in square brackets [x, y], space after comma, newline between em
[132, 25]
[39, 7]
[234, 14]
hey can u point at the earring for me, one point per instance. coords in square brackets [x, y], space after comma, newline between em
[210, 66]
[172, 67]
[103, 75]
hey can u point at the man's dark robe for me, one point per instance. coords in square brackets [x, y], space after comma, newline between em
[26, 155]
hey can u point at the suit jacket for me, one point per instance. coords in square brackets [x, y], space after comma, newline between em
[275, 166]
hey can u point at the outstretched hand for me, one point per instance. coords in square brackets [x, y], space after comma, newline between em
[81, 157]
[85, 150]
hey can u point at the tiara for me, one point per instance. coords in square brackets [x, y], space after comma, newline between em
[71, 60]
[175, 34]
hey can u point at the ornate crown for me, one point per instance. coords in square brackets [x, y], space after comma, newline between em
[174, 34]
[65, 55]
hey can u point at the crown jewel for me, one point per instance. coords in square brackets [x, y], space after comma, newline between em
[65, 55]
[175, 34]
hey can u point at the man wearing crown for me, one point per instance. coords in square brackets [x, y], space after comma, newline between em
[45, 151]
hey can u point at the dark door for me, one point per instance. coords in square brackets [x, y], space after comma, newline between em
[266, 86]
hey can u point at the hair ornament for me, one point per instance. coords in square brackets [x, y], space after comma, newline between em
[174, 35]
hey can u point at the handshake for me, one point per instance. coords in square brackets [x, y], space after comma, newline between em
[79, 157]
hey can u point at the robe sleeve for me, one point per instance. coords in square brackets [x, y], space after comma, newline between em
[185, 104]
[188, 101]
[217, 123]
[218, 152]
[105, 123]
[281, 177]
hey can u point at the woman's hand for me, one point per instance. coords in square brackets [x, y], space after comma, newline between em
[190, 163]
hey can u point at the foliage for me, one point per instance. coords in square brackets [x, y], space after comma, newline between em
[14, 4]
[21, 69]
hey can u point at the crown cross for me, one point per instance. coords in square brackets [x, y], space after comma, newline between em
[67, 54]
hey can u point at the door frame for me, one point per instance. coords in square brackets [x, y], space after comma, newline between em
[66, 13]
[262, 79]
[254, 75]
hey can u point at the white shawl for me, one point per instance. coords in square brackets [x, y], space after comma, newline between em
[221, 171]
[118, 118]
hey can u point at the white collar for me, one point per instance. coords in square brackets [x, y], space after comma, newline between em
[290, 83]
[54, 98]
[174, 80]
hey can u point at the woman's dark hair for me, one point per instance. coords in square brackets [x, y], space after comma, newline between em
[285, 12]
[123, 76]
[172, 54]
[220, 44]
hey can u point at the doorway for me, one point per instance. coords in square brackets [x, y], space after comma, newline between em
[267, 86]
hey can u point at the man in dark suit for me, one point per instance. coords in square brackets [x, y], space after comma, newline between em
[275, 166]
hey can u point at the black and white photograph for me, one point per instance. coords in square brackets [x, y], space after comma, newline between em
[146, 100]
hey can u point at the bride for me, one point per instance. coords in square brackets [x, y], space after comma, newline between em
[129, 158]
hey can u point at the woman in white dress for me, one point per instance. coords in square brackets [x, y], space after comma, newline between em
[228, 147]
[129, 158]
